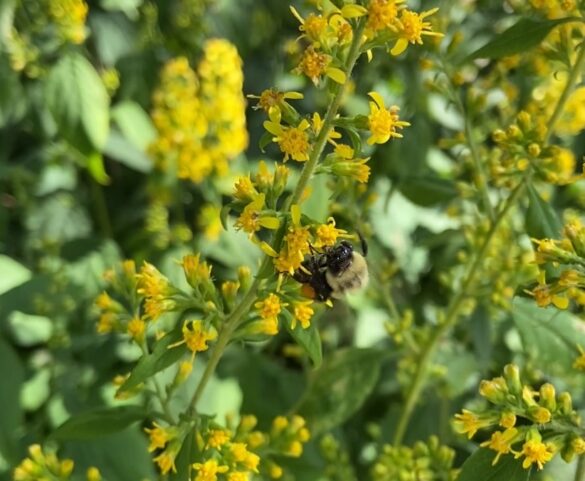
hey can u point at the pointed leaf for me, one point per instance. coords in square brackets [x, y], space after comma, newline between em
[160, 358]
[340, 386]
[309, 339]
[99, 422]
[479, 466]
[541, 219]
[519, 38]
[79, 102]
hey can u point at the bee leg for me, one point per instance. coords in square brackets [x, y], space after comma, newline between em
[363, 243]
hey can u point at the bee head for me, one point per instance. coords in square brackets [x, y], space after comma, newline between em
[339, 257]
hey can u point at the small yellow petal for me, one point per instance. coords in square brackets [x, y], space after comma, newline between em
[353, 11]
[268, 250]
[336, 75]
[560, 302]
[297, 15]
[269, 222]
[369, 55]
[294, 95]
[400, 47]
[273, 128]
[376, 97]
[295, 213]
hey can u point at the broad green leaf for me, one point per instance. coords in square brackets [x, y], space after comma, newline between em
[551, 336]
[99, 422]
[122, 150]
[340, 386]
[479, 467]
[121, 456]
[13, 99]
[13, 273]
[519, 38]
[11, 416]
[309, 339]
[28, 329]
[36, 390]
[134, 123]
[79, 102]
[317, 205]
[428, 190]
[160, 358]
[123, 5]
[114, 36]
[541, 219]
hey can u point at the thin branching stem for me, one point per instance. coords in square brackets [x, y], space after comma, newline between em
[456, 303]
[233, 320]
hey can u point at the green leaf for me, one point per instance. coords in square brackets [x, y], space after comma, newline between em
[28, 329]
[309, 339]
[479, 467]
[183, 461]
[114, 36]
[541, 219]
[11, 416]
[120, 456]
[122, 150]
[549, 335]
[13, 274]
[99, 422]
[134, 123]
[428, 190]
[95, 166]
[317, 205]
[265, 140]
[519, 38]
[340, 386]
[79, 102]
[160, 358]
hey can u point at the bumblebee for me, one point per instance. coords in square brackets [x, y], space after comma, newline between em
[337, 271]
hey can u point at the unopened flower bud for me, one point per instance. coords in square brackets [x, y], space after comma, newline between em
[495, 390]
[565, 403]
[534, 150]
[512, 376]
[539, 414]
[548, 397]
[576, 235]
[499, 136]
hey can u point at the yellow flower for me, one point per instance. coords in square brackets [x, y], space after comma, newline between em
[244, 189]
[292, 141]
[469, 423]
[136, 328]
[196, 272]
[411, 28]
[69, 17]
[93, 474]
[383, 123]
[344, 151]
[151, 283]
[382, 14]
[196, 337]
[159, 436]
[269, 307]
[535, 452]
[218, 437]
[208, 470]
[251, 219]
[106, 323]
[273, 99]
[104, 301]
[508, 419]
[238, 476]
[166, 461]
[314, 26]
[318, 125]
[314, 63]
[356, 169]
[501, 442]
[303, 312]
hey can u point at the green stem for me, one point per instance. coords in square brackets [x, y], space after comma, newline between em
[571, 82]
[580, 471]
[456, 303]
[451, 317]
[238, 314]
[164, 400]
[101, 209]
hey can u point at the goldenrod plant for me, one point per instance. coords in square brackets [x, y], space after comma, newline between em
[325, 239]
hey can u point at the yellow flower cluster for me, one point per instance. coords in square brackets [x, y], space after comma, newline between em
[422, 461]
[550, 425]
[40, 465]
[390, 21]
[569, 282]
[555, 8]
[69, 16]
[236, 453]
[200, 116]
[521, 147]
